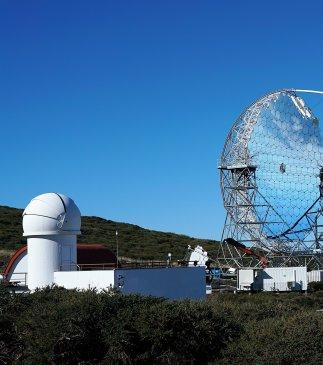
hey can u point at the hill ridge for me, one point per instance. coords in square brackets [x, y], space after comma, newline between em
[134, 241]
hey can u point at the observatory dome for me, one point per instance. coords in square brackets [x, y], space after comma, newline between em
[51, 214]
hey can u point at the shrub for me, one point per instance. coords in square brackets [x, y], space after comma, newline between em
[315, 286]
[70, 327]
[169, 333]
[296, 339]
[61, 326]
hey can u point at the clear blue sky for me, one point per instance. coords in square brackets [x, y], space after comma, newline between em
[125, 105]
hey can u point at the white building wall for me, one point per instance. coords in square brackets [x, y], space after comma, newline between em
[68, 253]
[99, 279]
[43, 260]
[315, 275]
[47, 254]
[173, 283]
[245, 279]
[273, 279]
[284, 278]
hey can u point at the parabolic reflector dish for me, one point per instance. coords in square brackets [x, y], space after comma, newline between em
[271, 174]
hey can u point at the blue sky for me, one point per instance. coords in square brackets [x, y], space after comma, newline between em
[125, 105]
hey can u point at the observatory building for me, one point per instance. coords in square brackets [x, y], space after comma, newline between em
[51, 224]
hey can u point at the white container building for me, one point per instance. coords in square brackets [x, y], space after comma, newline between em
[273, 279]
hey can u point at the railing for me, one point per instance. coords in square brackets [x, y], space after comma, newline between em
[16, 279]
[135, 264]
[104, 266]
[187, 263]
[144, 264]
[20, 278]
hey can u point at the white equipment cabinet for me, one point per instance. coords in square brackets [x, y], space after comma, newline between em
[273, 279]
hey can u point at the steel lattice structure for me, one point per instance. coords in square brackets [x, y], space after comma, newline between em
[272, 183]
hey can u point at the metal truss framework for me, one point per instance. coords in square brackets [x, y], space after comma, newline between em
[251, 219]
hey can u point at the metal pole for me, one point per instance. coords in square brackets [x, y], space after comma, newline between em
[117, 244]
[308, 91]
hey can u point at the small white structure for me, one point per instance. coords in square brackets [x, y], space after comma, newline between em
[273, 279]
[245, 279]
[198, 256]
[51, 223]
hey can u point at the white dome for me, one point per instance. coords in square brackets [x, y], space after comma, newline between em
[51, 214]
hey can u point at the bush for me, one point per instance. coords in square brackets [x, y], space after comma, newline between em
[69, 327]
[61, 326]
[10, 344]
[169, 333]
[315, 286]
[296, 339]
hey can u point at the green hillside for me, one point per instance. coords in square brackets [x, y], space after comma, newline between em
[134, 242]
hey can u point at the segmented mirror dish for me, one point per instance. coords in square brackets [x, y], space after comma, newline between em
[278, 140]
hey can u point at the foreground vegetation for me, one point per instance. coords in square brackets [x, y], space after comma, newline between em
[69, 327]
[134, 242]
